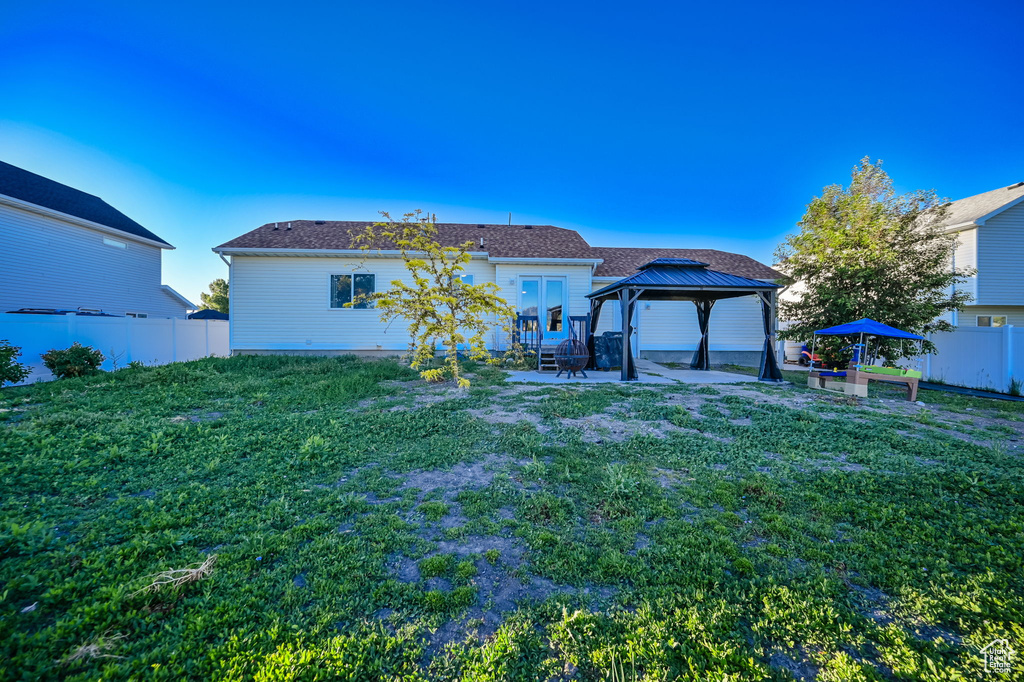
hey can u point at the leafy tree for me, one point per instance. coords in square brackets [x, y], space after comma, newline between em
[865, 251]
[217, 299]
[10, 369]
[439, 304]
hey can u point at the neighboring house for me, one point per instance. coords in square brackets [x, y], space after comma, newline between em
[64, 249]
[990, 228]
[290, 281]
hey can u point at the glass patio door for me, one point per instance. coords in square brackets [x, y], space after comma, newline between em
[545, 297]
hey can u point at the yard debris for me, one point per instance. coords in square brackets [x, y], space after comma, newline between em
[180, 576]
[98, 648]
[30, 608]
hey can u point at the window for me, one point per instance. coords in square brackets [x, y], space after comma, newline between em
[991, 320]
[116, 244]
[345, 288]
[138, 315]
[467, 279]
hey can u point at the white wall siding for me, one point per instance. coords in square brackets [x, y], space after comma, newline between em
[1000, 254]
[51, 264]
[283, 303]
[735, 324]
[966, 257]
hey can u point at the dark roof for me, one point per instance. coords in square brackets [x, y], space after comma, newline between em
[500, 241]
[687, 276]
[208, 314]
[35, 189]
[622, 262]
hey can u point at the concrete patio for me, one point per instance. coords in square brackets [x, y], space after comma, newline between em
[649, 373]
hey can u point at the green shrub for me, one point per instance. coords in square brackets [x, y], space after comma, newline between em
[10, 369]
[76, 361]
[437, 566]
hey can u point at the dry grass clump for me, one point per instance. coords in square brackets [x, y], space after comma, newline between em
[98, 648]
[180, 576]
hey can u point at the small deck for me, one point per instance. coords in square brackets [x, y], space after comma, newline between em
[648, 373]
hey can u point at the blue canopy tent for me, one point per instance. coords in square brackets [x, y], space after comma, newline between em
[864, 327]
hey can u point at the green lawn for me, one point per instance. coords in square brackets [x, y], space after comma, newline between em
[358, 524]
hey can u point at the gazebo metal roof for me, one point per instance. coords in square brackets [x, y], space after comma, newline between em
[682, 279]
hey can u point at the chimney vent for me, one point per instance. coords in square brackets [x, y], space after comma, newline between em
[319, 222]
[527, 227]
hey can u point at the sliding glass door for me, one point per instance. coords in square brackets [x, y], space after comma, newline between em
[545, 297]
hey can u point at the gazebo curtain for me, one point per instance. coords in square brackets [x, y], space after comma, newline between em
[769, 364]
[701, 356]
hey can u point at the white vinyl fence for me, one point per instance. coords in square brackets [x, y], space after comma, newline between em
[152, 341]
[977, 357]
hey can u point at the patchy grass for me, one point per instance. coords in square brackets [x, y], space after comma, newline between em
[365, 525]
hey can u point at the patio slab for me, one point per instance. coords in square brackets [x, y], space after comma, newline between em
[649, 373]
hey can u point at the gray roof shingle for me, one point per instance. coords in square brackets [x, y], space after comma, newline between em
[500, 241]
[969, 209]
[622, 262]
[35, 189]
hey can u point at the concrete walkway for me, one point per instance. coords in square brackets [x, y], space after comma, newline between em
[649, 373]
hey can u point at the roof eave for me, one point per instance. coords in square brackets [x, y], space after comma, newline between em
[677, 287]
[343, 253]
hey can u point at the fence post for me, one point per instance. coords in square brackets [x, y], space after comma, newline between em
[174, 339]
[1008, 351]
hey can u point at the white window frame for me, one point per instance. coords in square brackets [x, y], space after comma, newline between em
[992, 320]
[330, 290]
[115, 243]
[139, 316]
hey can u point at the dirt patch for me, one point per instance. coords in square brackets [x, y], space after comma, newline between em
[504, 415]
[801, 669]
[197, 417]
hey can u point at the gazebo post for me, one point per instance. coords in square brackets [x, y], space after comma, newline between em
[626, 308]
[769, 364]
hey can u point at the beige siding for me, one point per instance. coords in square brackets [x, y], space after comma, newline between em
[283, 303]
[48, 263]
[1000, 254]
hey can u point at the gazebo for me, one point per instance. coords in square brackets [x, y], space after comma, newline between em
[681, 279]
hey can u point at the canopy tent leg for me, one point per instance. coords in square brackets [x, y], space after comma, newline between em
[769, 370]
[627, 301]
[702, 356]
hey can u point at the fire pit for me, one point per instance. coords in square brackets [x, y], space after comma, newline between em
[571, 356]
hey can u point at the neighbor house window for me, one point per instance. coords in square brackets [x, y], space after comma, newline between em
[138, 315]
[467, 279]
[346, 288]
[116, 244]
[991, 320]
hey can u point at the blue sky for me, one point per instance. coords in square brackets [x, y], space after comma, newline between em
[639, 124]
